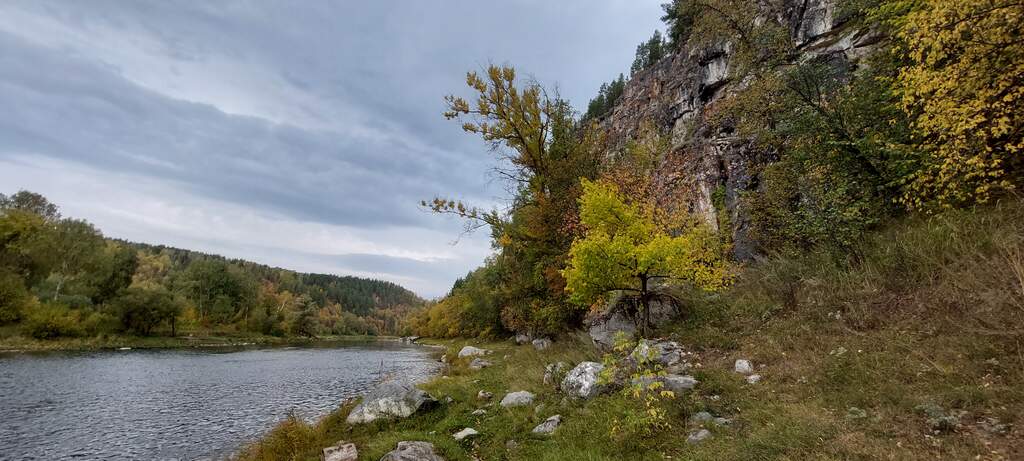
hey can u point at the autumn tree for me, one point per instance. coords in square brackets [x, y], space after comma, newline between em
[965, 84]
[541, 152]
[624, 249]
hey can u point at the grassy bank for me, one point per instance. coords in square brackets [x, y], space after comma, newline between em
[852, 347]
[11, 341]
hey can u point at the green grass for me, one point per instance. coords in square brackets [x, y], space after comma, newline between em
[929, 311]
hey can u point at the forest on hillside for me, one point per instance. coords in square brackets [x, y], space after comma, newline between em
[60, 277]
[930, 120]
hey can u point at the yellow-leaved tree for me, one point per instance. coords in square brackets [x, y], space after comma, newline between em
[624, 248]
[965, 85]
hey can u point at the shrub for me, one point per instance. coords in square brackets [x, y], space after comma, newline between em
[52, 321]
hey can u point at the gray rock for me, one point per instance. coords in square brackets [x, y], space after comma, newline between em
[701, 417]
[522, 339]
[444, 358]
[743, 367]
[549, 425]
[582, 381]
[698, 436]
[390, 400]
[678, 384]
[470, 351]
[541, 343]
[478, 363]
[465, 433]
[517, 399]
[604, 326]
[721, 421]
[484, 395]
[341, 451]
[554, 372]
[511, 445]
[664, 353]
[753, 379]
[479, 412]
[412, 451]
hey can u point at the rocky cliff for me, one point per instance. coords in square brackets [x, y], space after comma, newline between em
[707, 169]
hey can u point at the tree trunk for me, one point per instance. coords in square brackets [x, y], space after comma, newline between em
[645, 305]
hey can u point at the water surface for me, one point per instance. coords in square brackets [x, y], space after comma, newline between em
[179, 403]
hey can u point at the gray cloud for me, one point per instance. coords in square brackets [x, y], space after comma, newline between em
[318, 117]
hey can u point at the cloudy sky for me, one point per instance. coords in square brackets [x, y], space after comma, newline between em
[296, 134]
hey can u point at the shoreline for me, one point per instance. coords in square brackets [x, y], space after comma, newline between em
[18, 345]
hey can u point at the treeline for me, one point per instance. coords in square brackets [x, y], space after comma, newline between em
[930, 120]
[59, 277]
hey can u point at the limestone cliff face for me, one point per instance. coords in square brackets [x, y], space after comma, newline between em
[707, 166]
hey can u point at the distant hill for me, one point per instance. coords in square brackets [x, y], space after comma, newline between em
[355, 294]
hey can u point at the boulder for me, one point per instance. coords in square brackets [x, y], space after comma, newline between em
[522, 339]
[665, 353]
[465, 433]
[541, 343]
[484, 395]
[678, 384]
[342, 451]
[702, 417]
[412, 451]
[554, 372]
[478, 363]
[582, 381]
[390, 400]
[470, 351]
[698, 436]
[753, 379]
[479, 412]
[743, 367]
[517, 399]
[549, 425]
[618, 317]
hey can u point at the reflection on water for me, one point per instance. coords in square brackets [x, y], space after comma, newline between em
[179, 404]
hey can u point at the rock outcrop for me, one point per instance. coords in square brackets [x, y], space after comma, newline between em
[708, 168]
[390, 400]
[549, 425]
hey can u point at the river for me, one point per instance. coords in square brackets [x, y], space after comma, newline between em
[180, 403]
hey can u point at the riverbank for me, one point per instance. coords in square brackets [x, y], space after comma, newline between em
[14, 343]
[908, 349]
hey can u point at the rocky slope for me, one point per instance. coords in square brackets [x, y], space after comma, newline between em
[677, 93]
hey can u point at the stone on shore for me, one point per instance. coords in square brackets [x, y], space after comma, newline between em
[413, 451]
[549, 425]
[517, 399]
[582, 381]
[465, 433]
[478, 364]
[390, 400]
[342, 451]
[470, 351]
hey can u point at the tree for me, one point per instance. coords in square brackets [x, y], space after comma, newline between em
[625, 250]
[649, 53]
[965, 84]
[79, 246]
[305, 323]
[30, 202]
[140, 310]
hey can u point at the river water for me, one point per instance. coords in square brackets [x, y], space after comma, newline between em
[180, 403]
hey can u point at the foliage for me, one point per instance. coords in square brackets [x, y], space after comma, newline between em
[965, 85]
[624, 249]
[649, 53]
[607, 96]
[471, 309]
[644, 385]
[543, 151]
[142, 310]
[61, 277]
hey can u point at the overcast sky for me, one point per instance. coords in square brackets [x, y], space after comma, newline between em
[296, 134]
